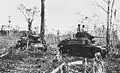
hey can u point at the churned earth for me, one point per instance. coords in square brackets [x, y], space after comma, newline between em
[27, 62]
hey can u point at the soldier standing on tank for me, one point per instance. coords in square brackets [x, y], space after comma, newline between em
[78, 29]
[83, 28]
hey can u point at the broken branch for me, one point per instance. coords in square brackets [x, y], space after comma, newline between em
[95, 3]
[106, 1]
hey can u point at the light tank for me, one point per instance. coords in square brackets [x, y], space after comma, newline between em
[81, 46]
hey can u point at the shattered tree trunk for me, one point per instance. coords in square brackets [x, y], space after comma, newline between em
[29, 26]
[58, 36]
[42, 31]
[111, 23]
[28, 33]
[108, 22]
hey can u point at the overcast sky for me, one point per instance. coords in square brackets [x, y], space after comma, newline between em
[60, 14]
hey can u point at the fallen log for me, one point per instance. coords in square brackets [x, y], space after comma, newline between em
[58, 68]
[3, 54]
[69, 64]
[74, 63]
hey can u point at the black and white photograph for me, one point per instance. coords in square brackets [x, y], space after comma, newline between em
[59, 36]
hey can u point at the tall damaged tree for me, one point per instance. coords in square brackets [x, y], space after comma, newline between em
[109, 11]
[42, 30]
[29, 14]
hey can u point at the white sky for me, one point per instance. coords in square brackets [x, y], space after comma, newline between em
[60, 14]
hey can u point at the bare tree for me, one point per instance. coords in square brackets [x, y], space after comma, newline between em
[109, 12]
[58, 36]
[42, 31]
[29, 14]
[9, 21]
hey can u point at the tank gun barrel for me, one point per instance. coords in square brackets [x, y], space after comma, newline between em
[98, 37]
